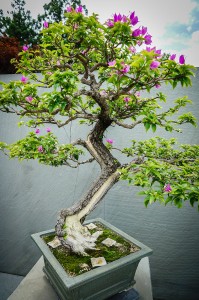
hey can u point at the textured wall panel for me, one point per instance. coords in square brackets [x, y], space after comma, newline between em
[31, 196]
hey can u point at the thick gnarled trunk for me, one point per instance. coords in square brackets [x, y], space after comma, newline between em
[69, 228]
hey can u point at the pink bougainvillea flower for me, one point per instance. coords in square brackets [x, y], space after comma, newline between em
[112, 63]
[40, 149]
[124, 19]
[154, 65]
[137, 94]
[144, 30]
[133, 19]
[45, 24]
[132, 15]
[29, 98]
[158, 52]
[167, 188]
[75, 26]
[79, 9]
[125, 69]
[172, 57]
[126, 99]
[158, 86]
[25, 47]
[109, 141]
[103, 93]
[69, 9]
[48, 129]
[109, 23]
[132, 49]
[37, 131]
[58, 63]
[136, 32]
[24, 79]
[117, 18]
[148, 49]
[148, 39]
[182, 59]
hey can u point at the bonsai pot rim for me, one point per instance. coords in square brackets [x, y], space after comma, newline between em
[73, 281]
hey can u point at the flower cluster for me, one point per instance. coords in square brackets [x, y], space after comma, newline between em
[181, 58]
[24, 79]
[45, 24]
[109, 141]
[167, 188]
[126, 99]
[79, 9]
[119, 18]
[155, 64]
[157, 52]
[124, 68]
[40, 149]
[29, 99]
[133, 20]
[37, 131]
[142, 32]
[25, 47]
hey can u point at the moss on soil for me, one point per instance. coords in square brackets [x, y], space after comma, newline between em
[72, 262]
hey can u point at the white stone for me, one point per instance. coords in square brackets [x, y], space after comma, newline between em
[118, 245]
[98, 261]
[55, 243]
[134, 248]
[91, 226]
[109, 242]
[84, 267]
[97, 234]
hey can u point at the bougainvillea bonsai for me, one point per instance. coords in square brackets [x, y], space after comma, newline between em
[97, 73]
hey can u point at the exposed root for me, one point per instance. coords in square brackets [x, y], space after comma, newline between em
[77, 237]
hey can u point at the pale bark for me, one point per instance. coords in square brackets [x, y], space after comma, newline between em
[69, 228]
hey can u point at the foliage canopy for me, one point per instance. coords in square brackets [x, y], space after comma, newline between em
[96, 73]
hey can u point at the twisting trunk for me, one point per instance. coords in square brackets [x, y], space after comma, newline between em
[69, 227]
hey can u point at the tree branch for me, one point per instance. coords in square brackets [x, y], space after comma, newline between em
[127, 125]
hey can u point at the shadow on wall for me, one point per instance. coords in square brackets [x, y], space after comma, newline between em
[31, 196]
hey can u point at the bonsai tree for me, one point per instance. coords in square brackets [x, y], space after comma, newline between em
[96, 73]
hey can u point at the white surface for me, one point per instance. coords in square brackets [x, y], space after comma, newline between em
[143, 280]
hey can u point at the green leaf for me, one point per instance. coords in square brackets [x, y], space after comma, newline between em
[147, 126]
[174, 84]
[146, 201]
[153, 126]
[151, 199]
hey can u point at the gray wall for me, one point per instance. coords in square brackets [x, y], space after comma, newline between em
[31, 196]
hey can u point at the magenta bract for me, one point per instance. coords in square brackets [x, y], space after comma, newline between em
[167, 188]
[45, 24]
[155, 64]
[182, 59]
